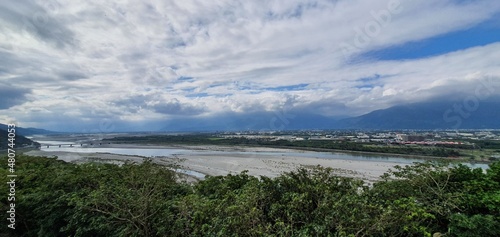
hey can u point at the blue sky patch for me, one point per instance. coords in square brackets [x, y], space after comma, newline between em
[480, 35]
[288, 88]
[197, 95]
[183, 78]
[366, 83]
[370, 79]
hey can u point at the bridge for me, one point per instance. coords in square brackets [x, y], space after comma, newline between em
[75, 145]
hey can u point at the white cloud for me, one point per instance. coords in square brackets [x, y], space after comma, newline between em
[151, 60]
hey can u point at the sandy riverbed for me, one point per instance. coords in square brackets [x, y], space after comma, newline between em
[223, 164]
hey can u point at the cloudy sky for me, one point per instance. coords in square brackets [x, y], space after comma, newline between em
[138, 65]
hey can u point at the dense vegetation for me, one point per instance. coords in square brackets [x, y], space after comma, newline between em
[486, 144]
[441, 151]
[55, 198]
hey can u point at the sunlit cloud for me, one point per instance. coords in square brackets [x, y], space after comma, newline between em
[69, 65]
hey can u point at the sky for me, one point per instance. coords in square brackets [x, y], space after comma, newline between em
[90, 65]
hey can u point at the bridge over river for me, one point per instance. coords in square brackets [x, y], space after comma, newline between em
[86, 144]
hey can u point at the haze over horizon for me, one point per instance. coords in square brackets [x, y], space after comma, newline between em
[153, 65]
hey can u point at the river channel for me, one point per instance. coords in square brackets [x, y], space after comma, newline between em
[170, 152]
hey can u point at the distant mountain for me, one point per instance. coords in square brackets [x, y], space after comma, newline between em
[437, 114]
[459, 112]
[28, 131]
[443, 113]
[19, 140]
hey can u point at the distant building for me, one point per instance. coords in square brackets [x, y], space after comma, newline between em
[363, 136]
[410, 138]
[449, 134]
[402, 137]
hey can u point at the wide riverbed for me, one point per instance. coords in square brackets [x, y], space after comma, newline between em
[222, 160]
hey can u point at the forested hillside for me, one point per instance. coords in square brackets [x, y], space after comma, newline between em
[19, 141]
[54, 198]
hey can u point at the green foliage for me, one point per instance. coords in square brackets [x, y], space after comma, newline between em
[476, 225]
[55, 198]
[486, 144]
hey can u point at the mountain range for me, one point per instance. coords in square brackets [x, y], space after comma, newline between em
[441, 113]
[430, 115]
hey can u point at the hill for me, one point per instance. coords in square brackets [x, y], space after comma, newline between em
[20, 140]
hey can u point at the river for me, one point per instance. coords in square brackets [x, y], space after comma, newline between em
[170, 152]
